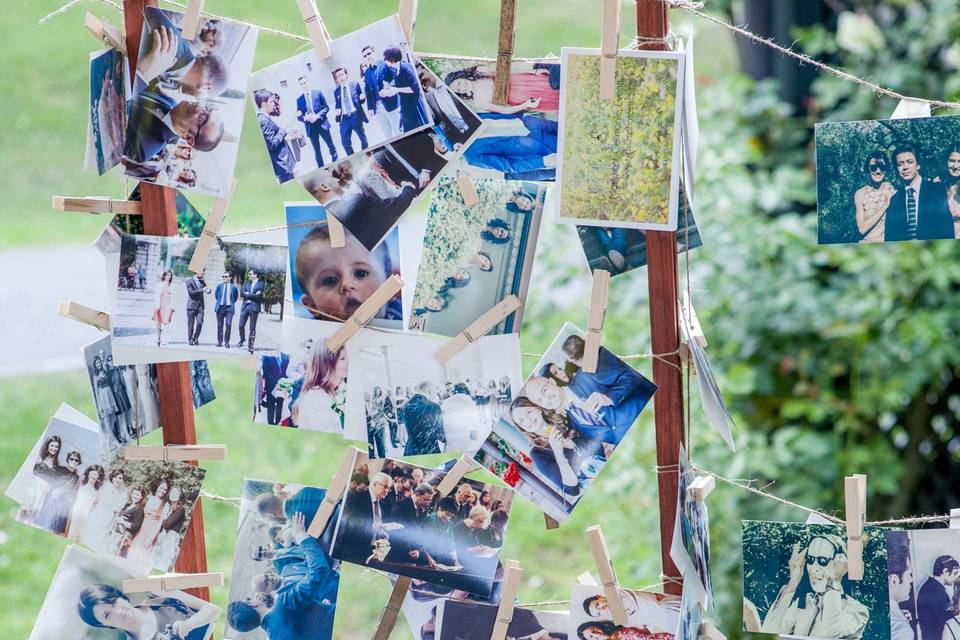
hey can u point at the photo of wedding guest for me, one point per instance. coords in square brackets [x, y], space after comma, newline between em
[462, 620]
[923, 578]
[313, 111]
[108, 117]
[903, 623]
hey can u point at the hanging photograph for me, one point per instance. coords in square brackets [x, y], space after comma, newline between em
[691, 617]
[201, 384]
[109, 86]
[231, 309]
[86, 600]
[923, 568]
[423, 599]
[474, 257]
[564, 425]
[690, 548]
[620, 159]
[330, 283]
[394, 520]
[795, 582]
[888, 180]
[186, 114]
[414, 405]
[652, 616]
[284, 584]
[519, 139]
[462, 620]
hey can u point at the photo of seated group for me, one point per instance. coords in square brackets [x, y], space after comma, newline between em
[86, 600]
[565, 424]
[413, 405]
[173, 314]
[650, 616]
[187, 109]
[460, 620]
[394, 519]
[888, 180]
[923, 572]
[474, 257]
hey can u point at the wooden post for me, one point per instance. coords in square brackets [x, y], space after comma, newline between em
[662, 280]
[173, 379]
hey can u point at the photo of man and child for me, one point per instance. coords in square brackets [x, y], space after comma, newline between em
[564, 425]
[923, 576]
[187, 109]
[394, 519]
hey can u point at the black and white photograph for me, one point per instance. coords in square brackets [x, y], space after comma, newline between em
[86, 600]
[423, 600]
[462, 620]
[393, 519]
[888, 180]
[923, 569]
[284, 583]
[650, 616]
[474, 257]
[564, 425]
[232, 308]
[185, 117]
[414, 405]
[109, 85]
[690, 547]
[315, 112]
[795, 582]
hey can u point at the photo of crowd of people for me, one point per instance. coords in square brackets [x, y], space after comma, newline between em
[86, 600]
[366, 94]
[394, 519]
[330, 283]
[650, 616]
[187, 108]
[413, 405]
[690, 549]
[473, 257]
[284, 583]
[109, 82]
[923, 573]
[423, 600]
[519, 140]
[461, 620]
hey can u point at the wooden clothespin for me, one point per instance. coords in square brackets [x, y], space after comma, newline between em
[955, 518]
[190, 27]
[462, 467]
[338, 238]
[317, 31]
[550, 523]
[701, 487]
[408, 19]
[335, 490]
[365, 312]
[176, 452]
[211, 227]
[391, 610]
[855, 502]
[478, 328]
[609, 45]
[505, 44]
[512, 573]
[173, 582]
[608, 576]
[599, 293]
[85, 314]
[710, 631]
[106, 32]
[467, 190]
[586, 578]
[97, 204]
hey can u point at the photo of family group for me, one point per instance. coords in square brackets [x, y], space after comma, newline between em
[86, 601]
[414, 405]
[330, 283]
[423, 599]
[186, 114]
[519, 139]
[620, 159]
[284, 584]
[369, 193]
[305, 385]
[795, 582]
[690, 548]
[888, 180]
[393, 519]
[473, 257]
[461, 620]
[923, 572]
[564, 425]
[233, 307]
[366, 94]
[650, 616]
[109, 82]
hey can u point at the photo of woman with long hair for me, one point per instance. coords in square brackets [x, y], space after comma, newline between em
[141, 547]
[112, 498]
[952, 181]
[162, 311]
[88, 494]
[157, 617]
[326, 371]
[873, 199]
[127, 523]
[171, 528]
[105, 400]
[45, 472]
[54, 513]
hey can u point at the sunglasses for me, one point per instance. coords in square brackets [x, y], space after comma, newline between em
[820, 560]
[877, 167]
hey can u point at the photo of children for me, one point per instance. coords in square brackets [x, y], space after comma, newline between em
[564, 425]
[474, 257]
[331, 283]
[651, 616]
[461, 620]
[108, 115]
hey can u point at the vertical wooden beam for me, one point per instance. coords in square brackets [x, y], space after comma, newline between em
[663, 283]
[173, 379]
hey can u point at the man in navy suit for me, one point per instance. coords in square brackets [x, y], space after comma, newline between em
[226, 295]
[157, 120]
[312, 111]
[276, 137]
[252, 294]
[919, 209]
[348, 101]
[196, 288]
[385, 110]
[406, 86]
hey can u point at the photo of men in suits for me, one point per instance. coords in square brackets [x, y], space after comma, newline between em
[252, 294]
[385, 110]
[225, 297]
[348, 102]
[277, 138]
[312, 110]
[406, 86]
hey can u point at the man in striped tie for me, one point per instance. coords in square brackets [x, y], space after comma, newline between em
[918, 210]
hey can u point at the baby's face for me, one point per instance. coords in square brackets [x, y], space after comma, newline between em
[340, 279]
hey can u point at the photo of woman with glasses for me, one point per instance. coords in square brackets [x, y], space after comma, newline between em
[873, 199]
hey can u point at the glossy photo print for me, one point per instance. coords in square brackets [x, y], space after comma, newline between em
[564, 425]
[463, 620]
[888, 180]
[108, 115]
[187, 108]
[424, 599]
[474, 257]
[690, 548]
[652, 616]
[923, 569]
